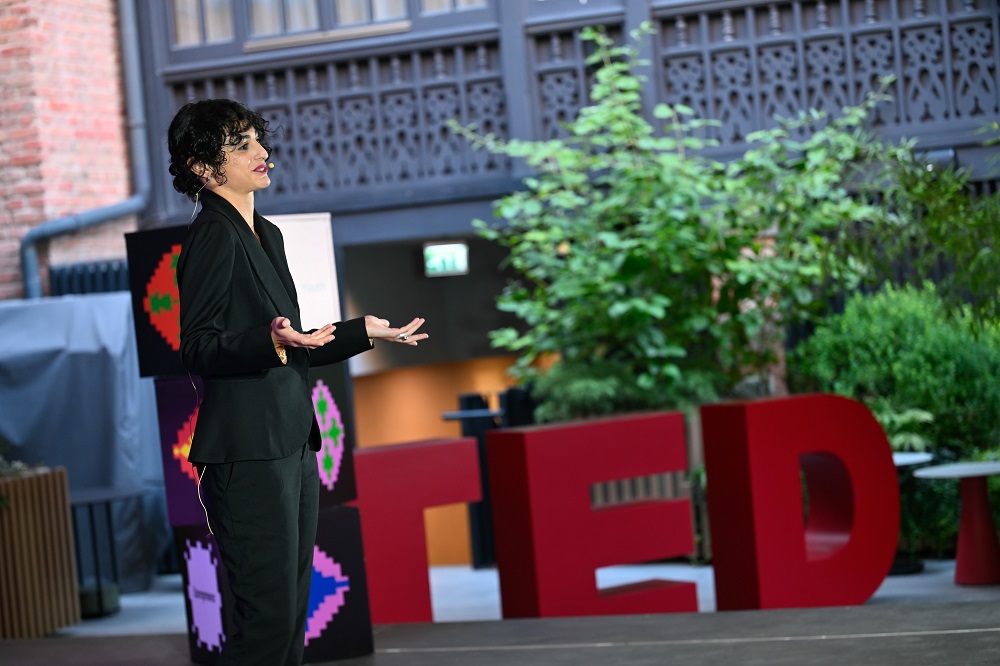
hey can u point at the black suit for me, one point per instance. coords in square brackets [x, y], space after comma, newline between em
[259, 482]
[232, 286]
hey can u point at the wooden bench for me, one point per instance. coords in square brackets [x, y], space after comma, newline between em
[38, 584]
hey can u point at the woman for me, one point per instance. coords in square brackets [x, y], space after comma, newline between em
[241, 331]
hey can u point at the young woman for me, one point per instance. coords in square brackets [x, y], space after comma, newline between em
[240, 330]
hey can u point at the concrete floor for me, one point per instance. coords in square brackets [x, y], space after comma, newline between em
[463, 594]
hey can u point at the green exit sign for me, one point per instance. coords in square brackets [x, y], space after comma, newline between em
[451, 258]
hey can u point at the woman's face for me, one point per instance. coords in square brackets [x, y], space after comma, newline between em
[245, 166]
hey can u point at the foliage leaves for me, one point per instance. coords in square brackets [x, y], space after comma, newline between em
[658, 275]
[933, 228]
[930, 380]
[897, 350]
[664, 272]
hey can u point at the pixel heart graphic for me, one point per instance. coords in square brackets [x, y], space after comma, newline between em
[162, 301]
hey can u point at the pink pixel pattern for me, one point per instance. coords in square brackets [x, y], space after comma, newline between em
[326, 595]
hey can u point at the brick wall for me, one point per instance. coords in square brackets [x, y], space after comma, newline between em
[62, 129]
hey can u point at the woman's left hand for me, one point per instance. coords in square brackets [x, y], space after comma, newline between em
[379, 329]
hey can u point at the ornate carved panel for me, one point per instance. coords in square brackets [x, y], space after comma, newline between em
[874, 58]
[923, 75]
[826, 74]
[560, 81]
[685, 77]
[974, 58]
[733, 91]
[561, 97]
[314, 147]
[374, 122]
[359, 121]
[282, 152]
[487, 103]
[780, 91]
[400, 131]
[745, 65]
[562, 78]
[445, 150]
[357, 141]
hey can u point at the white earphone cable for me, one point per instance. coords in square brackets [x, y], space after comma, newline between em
[202, 502]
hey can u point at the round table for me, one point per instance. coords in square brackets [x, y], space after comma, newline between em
[104, 598]
[903, 565]
[977, 560]
[907, 458]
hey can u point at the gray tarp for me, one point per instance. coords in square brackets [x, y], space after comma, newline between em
[71, 396]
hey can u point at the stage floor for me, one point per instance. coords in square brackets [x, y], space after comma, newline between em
[883, 635]
[913, 620]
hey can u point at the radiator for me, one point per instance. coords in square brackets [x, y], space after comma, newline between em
[39, 592]
[93, 277]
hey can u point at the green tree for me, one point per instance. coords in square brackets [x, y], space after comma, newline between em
[658, 276]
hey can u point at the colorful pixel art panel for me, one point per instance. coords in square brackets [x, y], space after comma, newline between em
[206, 594]
[177, 400]
[339, 623]
[152, 264]
[331, 397]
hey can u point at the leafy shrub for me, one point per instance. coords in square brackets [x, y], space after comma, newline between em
[570, 390]
[898, 347]
[933, 227]
[898, 350]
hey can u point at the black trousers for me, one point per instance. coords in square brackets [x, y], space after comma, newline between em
[264, 514]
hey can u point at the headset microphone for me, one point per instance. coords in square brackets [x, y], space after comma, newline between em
[270, 165]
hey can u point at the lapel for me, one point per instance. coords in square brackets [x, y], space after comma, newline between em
[271, 243]
[269, 267]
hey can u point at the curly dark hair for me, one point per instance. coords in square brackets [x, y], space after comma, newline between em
[198, 133]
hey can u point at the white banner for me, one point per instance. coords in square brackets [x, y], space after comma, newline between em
[309, 248]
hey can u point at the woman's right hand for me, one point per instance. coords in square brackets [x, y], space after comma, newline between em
[282, 333]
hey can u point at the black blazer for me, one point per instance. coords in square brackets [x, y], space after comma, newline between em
[231, 287]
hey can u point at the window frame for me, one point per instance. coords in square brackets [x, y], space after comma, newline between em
[244, 43]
